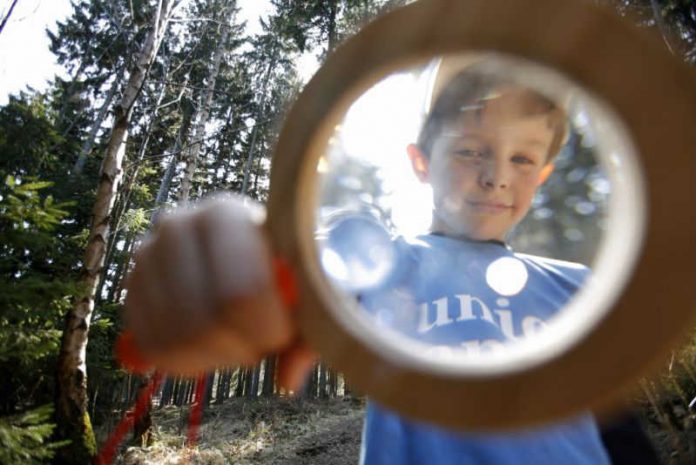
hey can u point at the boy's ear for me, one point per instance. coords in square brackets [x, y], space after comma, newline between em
[545, 173]
[419, 162]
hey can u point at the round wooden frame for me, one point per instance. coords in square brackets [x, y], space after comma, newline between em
[651, 91]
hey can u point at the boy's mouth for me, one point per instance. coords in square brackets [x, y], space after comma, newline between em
[488, 206]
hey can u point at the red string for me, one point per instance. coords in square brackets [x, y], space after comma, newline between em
[129, 355]
[286, 282]
[196, 411]
[106, 456]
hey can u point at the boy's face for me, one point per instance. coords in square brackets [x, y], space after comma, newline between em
[485, 167]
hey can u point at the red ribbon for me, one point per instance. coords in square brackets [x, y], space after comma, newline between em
[130, 357]
[106, 456]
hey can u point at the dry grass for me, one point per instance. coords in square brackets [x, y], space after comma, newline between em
[254, 431]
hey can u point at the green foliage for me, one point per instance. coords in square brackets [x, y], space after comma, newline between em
[28, 138]
[26, 211]
[136, 220]
[24, 438]
[32, 299]
[320, 25]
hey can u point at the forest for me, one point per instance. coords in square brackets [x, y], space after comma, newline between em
[165, 102]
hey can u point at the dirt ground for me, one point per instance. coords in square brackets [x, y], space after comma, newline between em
[259, 431]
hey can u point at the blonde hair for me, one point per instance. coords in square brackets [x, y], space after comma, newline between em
[473, 86]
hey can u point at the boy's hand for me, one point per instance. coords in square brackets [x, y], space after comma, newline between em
[203, 294]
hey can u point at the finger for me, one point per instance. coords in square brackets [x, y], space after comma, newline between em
[178, 276]
[294, 366]
[222, 346]
[217, 349]
[242, 281]
[143, 303]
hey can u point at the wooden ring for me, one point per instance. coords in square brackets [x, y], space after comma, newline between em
[628, 69]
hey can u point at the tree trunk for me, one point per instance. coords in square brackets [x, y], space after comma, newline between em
[310, 389]
[323, 381]
[254, 134]
[122, 205]
[269, 376]
[92, 137]
[7, 16]
[121, 269]
[332, 33]
[255, 381]
[252, 382]
[179, 392]
[347, 388]
[208, 394]
[203, 111]
[166, 182]
[220, 388]
[228, 385]
[72, 420]
[241, 381]
[142, 429]
[333, 383]
[167, 392]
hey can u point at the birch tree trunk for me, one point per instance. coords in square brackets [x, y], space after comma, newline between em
[72, 418]
[122, 201]
[203, 113]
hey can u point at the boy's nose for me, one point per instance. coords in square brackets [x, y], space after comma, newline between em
[493, 176]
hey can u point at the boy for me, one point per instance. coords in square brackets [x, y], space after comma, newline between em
[485, 147]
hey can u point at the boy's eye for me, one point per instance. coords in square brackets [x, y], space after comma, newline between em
[470, 153]
[523, 160]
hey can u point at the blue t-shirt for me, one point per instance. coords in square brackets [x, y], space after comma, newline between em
[475, 295]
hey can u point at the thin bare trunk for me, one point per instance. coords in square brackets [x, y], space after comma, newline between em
[203, 113]
[166, 182]
[92, 137]
[269, 375]
[72, 419]
[241, 381]
[121, 269]
[323, 381]
[332, 33]
[7, 16]
[254, 134]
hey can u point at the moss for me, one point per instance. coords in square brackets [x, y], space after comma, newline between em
[82, 446]
[89, 442]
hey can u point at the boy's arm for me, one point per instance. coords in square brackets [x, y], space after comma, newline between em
[203, 294]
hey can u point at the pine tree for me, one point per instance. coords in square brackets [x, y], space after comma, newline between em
[228, 10]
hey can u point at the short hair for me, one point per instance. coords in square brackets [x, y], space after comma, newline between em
[475, 85]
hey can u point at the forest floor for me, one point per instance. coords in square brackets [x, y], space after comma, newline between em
[279, 431]
[289, 431]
